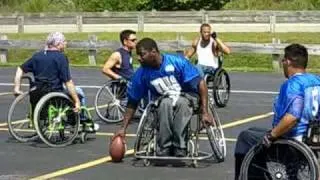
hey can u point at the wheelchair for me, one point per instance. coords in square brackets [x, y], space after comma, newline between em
[145, 147]
[51, 119]
[285, 159]
[111, 100]
[289, 158]
[218, 84]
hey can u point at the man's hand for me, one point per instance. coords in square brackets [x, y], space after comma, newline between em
[207, 119]
[76, 106]
[17, 92]
[122, 80]
[268, 139]
[121, 132]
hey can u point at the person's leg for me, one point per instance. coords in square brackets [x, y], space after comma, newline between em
[245, 141]
[181, 118]
[165, 115]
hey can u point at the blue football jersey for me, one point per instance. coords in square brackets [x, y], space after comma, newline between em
[299, 96]
[174, 72]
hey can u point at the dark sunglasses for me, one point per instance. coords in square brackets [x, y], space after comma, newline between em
[132, 40]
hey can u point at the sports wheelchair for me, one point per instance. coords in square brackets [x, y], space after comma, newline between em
[145, 147]
[218, 85]
[51, 118]
[111, 100]
[289, 158]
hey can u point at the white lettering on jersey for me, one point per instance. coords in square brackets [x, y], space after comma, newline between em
[315, 104]
[166, 85]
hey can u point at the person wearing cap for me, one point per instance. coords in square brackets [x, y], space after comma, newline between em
[290, 119]
[50, 68]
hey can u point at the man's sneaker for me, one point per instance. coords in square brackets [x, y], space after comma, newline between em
[89, 127]
[178, 152]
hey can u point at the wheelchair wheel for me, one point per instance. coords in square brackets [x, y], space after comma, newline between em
[216, 137]
[285, 159]
[55, 121]
[20, 123]
[145, 132]
[221, 88]
[110, 101]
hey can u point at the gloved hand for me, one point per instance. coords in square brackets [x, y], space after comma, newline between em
[268, 139]
[122, 80]
[214, 35]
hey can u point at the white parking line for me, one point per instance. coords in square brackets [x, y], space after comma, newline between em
[232, 91]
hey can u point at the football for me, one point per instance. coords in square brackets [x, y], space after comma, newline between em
[117, 149]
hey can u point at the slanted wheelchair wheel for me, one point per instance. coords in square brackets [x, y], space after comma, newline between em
[221, 88]
[55, 121]
[110, 101]
[216, 137]
[285, 159]
[20, 123]
[144, 144]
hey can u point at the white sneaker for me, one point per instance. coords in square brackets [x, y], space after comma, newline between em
[94, 129]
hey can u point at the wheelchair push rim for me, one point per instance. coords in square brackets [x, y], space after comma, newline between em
[20, 123]
[221, 90]
[216, 137]
[55, 121]
[145, 143]
[297, 161]
[110, 102]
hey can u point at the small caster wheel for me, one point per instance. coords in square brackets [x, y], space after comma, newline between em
[146, 162]
[83, 137]
[194, 163]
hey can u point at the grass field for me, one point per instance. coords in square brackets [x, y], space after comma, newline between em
[235, 61]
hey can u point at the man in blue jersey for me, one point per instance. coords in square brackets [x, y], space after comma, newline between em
[167, 75]
[119, 64]
[290, 119]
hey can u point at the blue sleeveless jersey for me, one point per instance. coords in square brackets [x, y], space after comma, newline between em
[299, 97]
[174, 72]
[126, 68]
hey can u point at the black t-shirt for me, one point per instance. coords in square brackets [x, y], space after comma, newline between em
[48, 67]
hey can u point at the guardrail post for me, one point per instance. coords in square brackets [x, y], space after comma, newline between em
[179, 39]
[276, 61]
[140, 22]
[3, 52]
[205, 17]
[20, 21]
[92, 49]
[273, 22]
[79, 23]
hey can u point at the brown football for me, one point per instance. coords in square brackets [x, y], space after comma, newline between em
[117, 149]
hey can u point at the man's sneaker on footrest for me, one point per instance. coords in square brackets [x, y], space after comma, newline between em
[91, 127]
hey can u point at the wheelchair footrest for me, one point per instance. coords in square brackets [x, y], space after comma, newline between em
[201, 156]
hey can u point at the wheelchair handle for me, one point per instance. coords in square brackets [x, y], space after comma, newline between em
[29, 78]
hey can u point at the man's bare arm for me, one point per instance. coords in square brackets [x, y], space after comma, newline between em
[225, 49]
[112, 61]
[72, 91]
[285, 124]
[17, 80]
[191, 51]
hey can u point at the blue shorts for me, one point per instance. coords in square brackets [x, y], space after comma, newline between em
[205, 69]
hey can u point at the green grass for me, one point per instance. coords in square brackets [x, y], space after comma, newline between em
[234, 62]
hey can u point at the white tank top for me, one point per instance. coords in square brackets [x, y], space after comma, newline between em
[206, 56]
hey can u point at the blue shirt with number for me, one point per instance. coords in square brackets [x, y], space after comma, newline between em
[176, 74]
[299, 96]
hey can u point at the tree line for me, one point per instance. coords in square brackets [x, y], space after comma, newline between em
[147, 5]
